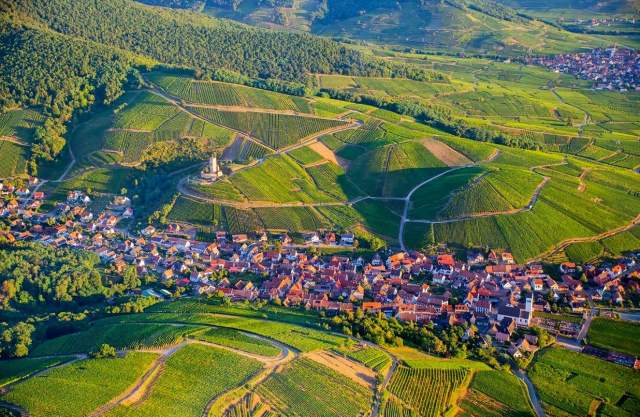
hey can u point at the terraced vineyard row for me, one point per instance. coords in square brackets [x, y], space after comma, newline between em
[429, 391]
[394, 408]
[274, 130]
[248, 406]
[225, 94]
[371, 357]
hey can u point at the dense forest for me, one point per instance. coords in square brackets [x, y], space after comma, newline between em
[189, 39]
[59, 75]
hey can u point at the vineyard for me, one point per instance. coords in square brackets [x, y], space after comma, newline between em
[571, 384]
[248, 406]
[237, 340]
[305, 155]
[20, 124]
[308, 389]
[79, 388]
[331, 179]
[224, 94]
[16, 369]
[428, 391]
[13, 160]
[190, 379]
[371, 357]
[245, 150]
[496, 394]
[274, 130]
[122, 336]
[394, 408]
[291, 218]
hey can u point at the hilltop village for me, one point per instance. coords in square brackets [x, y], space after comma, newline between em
[488, 292]
[609, 68]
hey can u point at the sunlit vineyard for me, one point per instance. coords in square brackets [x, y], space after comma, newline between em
[394, 408]
[308, 389]
[248, 406]
[428, 391]
[122, 336]
[374, 358]
[14, 159]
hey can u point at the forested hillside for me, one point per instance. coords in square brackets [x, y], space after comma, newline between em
[184, 38]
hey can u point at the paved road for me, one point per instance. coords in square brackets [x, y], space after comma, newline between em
[533, 395]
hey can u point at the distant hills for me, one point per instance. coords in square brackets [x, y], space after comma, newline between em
[503, 27]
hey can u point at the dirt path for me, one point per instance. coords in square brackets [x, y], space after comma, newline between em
[583, 186]
[13, 139]
[351, 369]
[142, 387]
[445, 153]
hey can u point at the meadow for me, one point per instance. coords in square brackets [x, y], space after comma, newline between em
[191, 378]
[308, 389]
[77, 389]
[574, 384]
[615, 335]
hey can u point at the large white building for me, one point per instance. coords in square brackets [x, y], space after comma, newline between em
[212, 171]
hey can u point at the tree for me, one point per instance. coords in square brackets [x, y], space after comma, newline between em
[105, 351]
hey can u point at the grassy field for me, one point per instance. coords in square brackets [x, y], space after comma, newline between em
[77, 389]
[191, 378]
[574, 384]
[237, 340]
[615, 335]
[302, 389]
[496, 394]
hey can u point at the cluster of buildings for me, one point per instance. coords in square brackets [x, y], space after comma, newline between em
[489, 293]
[609, 68]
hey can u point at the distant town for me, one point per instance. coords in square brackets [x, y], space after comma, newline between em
[487, 292]
[609, 68]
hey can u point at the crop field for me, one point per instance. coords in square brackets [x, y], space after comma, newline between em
[428, 391]
[121, 336]
[574, 384]
[77, 389]
[616, 335]
[279, 179]
[20, 124]
[496, 394]
[237, 340]
[225, 94]
[291, 218]
[191, 378]
[304, 387]
[16, 369]
[392, 170]
[274, 130]
[14, 159]
[371, 357]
